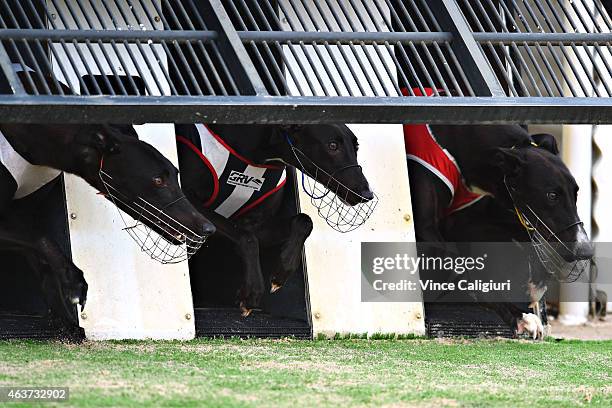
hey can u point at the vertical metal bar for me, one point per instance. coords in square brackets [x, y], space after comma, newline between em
[345, 59]
[513, 66]
[254, 46]
[603, 13]
[107, 56]
[316, 50]
[153, 48]
[151, 67]
[279, 48]
[179, 51]
[37, 71]
[71, 60]
[215, 49]
[448, 48]
[366, 50]
[77, 48]
[203, 50]
[411, 46]
[494, 53]
[576, 50]
[329, 51]
[304, 49]
[550, 47]
[52, 47]
[352, 48]
[508, 13]
[128, 49]
[230, 44]
[483, 79]
[437, 48]
[190, 49]
[412, 26]
[94, 54]
[165, 47]
[390, 50]
[7, 69]
[40, 48]
[564, 52]
[584, 45]
[73, 12]
[292, 48]
[379, 53]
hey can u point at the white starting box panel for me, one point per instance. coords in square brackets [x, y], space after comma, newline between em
[130, 295]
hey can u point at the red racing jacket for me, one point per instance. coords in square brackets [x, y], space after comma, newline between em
[422, 147]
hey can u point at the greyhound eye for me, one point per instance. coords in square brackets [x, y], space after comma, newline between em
[158, 181]
[333, 146]
[552, 196]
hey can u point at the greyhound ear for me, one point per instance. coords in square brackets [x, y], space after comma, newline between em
[508, 160]
[106, 143]
[279, 137]
[291, 129]
[127, 130]
[547, 142]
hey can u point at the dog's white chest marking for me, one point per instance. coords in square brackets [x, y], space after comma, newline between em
[29, 177]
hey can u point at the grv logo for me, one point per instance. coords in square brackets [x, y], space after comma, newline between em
[237, 178]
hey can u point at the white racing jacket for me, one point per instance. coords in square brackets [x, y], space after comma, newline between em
[238, 184]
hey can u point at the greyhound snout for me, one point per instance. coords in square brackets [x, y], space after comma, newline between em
[581, 247]
[367, 195]
[208, 228]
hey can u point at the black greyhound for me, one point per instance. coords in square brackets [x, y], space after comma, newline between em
[515, 168]
[494, 158]
[490, 221]
[138, 171]
[254, 225]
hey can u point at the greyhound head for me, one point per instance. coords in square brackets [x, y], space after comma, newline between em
[331, 148]
[542, 188]
[138, 175]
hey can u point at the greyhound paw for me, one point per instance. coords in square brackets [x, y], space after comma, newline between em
[250, 298]
[530, 324]
[76, 287]
[274, 287]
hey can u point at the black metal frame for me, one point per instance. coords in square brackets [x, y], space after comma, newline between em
[488, 61]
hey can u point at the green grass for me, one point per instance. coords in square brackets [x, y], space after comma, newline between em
[316, 373]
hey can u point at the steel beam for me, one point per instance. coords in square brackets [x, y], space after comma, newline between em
[108, 35]
[232, 48]
[344, 37]
[557, 38]
[258, 109]
[477, 68]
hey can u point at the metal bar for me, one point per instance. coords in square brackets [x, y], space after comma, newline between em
[343, 37]
[253, 109]
[108, 35]
[291, 47]
[203, 49]
[179, 52]
[447, 46]
[534, 38]
[481, 75]
[11, 76]
[52, 48]
[256, 51]
[40, 48]
[189, 47]
[233, 50]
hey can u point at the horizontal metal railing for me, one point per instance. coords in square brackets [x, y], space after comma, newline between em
[306, 60]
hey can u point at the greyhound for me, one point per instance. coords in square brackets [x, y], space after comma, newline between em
[255, 224]
[506, 163]
[137, 170]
